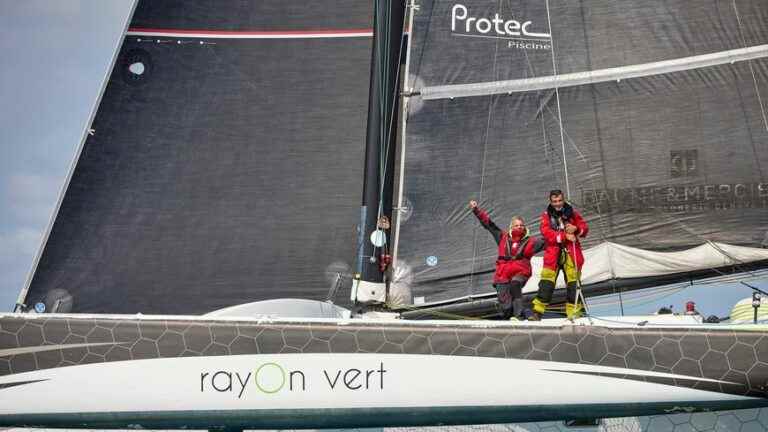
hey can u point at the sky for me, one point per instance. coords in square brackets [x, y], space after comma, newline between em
[56, 54]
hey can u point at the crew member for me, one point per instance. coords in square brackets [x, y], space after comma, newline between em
[513, 265]
[562, 227]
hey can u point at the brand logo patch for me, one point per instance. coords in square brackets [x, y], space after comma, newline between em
[270, 378]
[520, 34]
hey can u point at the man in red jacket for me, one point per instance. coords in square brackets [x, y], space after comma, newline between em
[561, 227]
[513, 264]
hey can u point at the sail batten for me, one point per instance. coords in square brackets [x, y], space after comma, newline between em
[594, 76]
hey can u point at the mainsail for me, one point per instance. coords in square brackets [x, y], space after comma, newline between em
[184, 217]
[651, 115]
[227, 157]
[225, 161]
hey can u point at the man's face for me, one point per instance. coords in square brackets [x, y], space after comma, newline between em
[557, 201]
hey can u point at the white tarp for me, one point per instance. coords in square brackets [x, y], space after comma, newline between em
[613, 261]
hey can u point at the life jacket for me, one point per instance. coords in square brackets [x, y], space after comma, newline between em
[505, 248]
[558, 219]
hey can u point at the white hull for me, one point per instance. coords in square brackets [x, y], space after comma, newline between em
[167, 372]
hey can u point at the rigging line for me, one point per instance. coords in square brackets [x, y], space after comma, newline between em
[482, 170]
[742, 102]
[403, 123]
[734, 259]
[494, 175]
[599, 137]
[751, 68]
[686, 228]
[741, 97]
[500, 167]
[382, 79]
[564, 133]
[648, 301]
[585, 160]
[570, 140]
[677, 221]
[644, 295]
[440, 313]
[737, 263]
[423, 49]
[694, 234]
[748, 127]
[391, 110]
[379, 82]
[387, 155]
[649, 292]
[383, 57]
[653, 325]
[543, 102]
[557, 95]
[731, 278]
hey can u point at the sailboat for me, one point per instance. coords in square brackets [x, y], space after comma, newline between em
[223, 179]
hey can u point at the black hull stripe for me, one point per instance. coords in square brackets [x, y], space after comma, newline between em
[18, 383]
[360, 417]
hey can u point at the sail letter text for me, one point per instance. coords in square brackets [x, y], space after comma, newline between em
[499, 25]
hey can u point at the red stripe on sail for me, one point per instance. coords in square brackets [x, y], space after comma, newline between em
[240, 33]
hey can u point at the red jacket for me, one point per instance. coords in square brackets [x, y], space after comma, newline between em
[553, 231]
[514, 254]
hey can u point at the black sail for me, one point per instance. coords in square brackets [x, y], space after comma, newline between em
[668, 159]
[225, 162]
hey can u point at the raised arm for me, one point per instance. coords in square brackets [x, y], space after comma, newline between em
[485, 221]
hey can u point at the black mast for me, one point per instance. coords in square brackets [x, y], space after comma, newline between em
[380, 134]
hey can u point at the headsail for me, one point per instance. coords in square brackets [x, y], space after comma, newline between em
[225, 163]
[651, 114]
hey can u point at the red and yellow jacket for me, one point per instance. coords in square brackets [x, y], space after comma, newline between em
[553, 230]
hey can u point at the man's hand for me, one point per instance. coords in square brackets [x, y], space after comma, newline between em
[570, 229]
[472, 204]
[570, 237]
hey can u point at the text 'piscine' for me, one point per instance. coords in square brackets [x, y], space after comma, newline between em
[272, 378]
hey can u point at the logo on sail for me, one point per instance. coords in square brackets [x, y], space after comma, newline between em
[678, 198]
[518, 34]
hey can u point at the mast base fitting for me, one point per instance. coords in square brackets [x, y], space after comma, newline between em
[368, 292]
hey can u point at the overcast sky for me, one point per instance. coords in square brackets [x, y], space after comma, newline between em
[55, 56]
